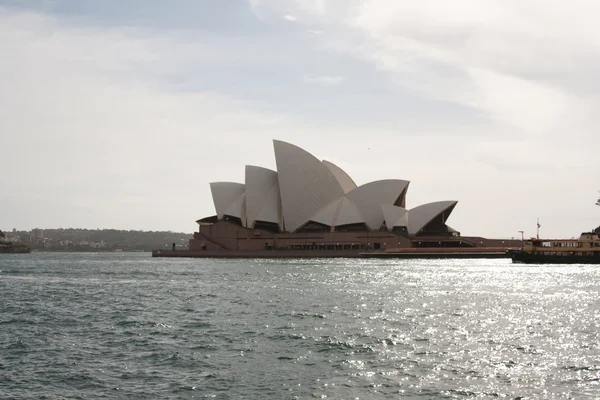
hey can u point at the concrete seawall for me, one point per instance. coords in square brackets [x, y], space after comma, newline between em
[476, 252]
[258, 254]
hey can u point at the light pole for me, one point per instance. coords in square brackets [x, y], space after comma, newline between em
[522, 237]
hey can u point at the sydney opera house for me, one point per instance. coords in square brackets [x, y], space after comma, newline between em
[310, 207]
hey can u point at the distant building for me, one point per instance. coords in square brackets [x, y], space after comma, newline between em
[309, 204]
[307, 194]
[37, 233]
[37, 236]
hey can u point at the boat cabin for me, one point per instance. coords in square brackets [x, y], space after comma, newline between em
[588, 244]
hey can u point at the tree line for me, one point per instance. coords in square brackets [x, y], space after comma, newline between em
[110, 239]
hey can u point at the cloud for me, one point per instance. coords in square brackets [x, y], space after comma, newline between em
[324, 79]
[309, 11]
[88, 124]
[521, 65]
[529, 71]
[488, 103]
[288, 17]
[484, 56]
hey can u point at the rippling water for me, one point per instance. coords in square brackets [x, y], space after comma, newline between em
[129, 326]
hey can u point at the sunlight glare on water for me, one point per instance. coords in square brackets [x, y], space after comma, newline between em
[129, 326]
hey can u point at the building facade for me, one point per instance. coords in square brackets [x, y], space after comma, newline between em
[313, 205]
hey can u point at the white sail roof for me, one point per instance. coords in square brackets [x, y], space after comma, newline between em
[238, 209]
[348, 213]
[306, 189]
[369, 198]
[339, 212]
[326, 215]
[271, 209]
[306, 185]
[394, 216]
[419, 217]
[224, 194]
[342, 177]
[262, 196]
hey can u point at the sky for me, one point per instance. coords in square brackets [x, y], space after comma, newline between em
[118, 113]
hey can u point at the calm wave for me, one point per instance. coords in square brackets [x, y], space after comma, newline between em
[129, 326]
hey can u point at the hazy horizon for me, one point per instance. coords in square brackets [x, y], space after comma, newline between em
[84, 228]
[118, 114]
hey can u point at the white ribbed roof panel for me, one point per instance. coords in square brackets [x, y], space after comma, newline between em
[306, 185]
[262, 195]
[394, 216]
[348, 213]
[238, 209]
[271, 208]
[224, 194]
[369, 198]
[420, 216]
[342, 177]
[326, 215]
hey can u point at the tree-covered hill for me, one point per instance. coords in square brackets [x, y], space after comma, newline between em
[75, 239]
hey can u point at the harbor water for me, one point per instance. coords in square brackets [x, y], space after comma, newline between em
[125, 325]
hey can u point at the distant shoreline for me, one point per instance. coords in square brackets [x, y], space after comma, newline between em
[75, 240]
[90, 251]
